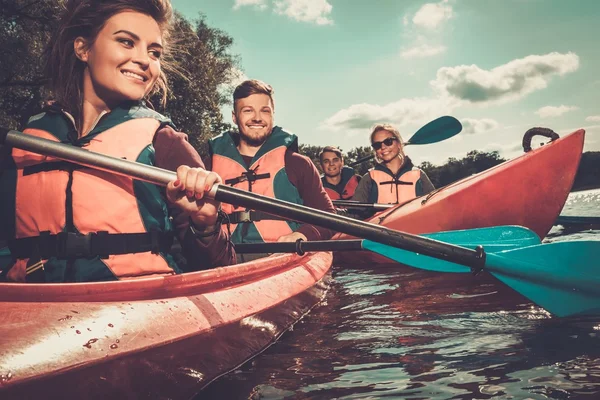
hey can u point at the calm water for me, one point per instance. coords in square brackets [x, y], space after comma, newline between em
[409, 334]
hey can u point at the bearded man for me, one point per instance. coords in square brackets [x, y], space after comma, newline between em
[263, 158]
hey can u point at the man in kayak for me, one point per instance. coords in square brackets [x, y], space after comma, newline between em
[394, 179]
[263, 158]
[66, 223]
[339, 181]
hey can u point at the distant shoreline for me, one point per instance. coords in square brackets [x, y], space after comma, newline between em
[583, 188]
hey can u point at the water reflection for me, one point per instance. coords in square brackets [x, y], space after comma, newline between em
[396, 333]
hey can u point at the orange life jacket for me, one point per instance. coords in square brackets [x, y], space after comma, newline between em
[391, 189]
[53, 197]
[266, 175]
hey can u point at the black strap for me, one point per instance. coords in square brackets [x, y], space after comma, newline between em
[70, 245]
[396, 182]
[249, 176]
[51, 166]
[237, 217]
[549, 133]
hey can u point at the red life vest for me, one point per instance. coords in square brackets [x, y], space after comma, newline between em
[349, 182]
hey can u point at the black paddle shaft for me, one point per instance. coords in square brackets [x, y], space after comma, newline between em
[299, 246]
[226, 194]
[339, 223]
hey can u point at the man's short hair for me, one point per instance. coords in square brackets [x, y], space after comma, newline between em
[330, 149]
[250, 87]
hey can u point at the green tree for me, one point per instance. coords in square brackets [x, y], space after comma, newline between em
[356, 154]
[204, 85]
[474, 162]
[25, 28]
[311, 152]
[588, 173]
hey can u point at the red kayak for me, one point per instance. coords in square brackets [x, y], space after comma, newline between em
[529, 190]
[164, 337]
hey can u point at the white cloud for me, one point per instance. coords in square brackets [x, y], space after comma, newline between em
[259, 4]
[554, 111]
[506, 82]
[432, 15]
[471, 126]
[401, 113]
[422, 51]
[314, 11]
[593, 118]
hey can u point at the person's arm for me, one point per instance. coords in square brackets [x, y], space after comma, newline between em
[361, 194]
[172, 149]
[303, 174]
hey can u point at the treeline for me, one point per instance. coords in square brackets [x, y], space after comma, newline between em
[588, 174]
[201, 86]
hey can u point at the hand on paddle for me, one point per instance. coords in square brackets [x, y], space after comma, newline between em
[188, 191]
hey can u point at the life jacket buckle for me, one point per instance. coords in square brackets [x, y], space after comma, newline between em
[73, 245]
[244, 216]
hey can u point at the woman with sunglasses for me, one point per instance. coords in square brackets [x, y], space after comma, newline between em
[394, 179]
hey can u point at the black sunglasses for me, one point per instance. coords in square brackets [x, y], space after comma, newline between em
[388, 142]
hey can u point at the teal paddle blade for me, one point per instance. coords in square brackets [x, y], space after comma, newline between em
[562, 277]
[412, 259]
[493, 239]
[437, 130]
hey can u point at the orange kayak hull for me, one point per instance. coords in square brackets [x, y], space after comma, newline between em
[163, 337]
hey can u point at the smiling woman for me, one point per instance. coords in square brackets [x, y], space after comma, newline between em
[103, 64]
[394, 179]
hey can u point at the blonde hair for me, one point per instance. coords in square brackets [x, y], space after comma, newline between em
[385, 127]
[391, 129]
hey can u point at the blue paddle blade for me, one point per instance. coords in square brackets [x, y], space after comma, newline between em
[437, 130]
[493, 239]
[562, 277]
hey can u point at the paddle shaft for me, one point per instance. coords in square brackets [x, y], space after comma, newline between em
[230, 195]
[299, 247]
[356, 204]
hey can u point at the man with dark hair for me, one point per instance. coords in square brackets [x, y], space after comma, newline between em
[339, 181]
[262, 158]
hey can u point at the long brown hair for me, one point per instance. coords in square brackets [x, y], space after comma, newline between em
[86, 18]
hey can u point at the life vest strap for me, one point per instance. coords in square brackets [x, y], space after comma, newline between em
[249, 176]
[396, 182]
[51, 166]
[71, 245]
[238, 217]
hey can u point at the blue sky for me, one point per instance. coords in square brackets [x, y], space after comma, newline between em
[499, 66]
